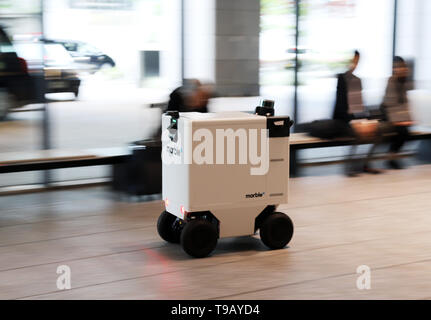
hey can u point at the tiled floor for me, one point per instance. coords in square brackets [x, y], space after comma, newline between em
[114, 252]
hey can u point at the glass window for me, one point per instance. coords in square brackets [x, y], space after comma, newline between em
[57, 55]
[70, 46]
[109, 43]
[88, 49]
[277, 60]
[329, 33]
[19, 131]
[99, 99]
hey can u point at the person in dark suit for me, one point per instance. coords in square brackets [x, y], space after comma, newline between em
[348, 102]
[349, 107]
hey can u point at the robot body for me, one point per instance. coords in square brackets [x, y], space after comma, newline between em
[224, 175]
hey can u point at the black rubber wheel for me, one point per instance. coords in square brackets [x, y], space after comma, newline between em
[276, 230]
[166, 227]
[199, 238]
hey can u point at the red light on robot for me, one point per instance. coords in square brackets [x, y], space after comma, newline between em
[166, 202]
[183, 211]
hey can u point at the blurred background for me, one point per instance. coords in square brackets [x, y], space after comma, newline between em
[85, 72]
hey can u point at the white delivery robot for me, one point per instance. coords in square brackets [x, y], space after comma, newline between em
[224, 174]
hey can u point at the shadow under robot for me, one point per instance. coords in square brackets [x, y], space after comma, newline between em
[212, 199]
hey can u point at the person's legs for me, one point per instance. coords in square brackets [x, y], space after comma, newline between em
[397, 143]
[367, 167]
[402, 133]
[350, 166]
[377, 141]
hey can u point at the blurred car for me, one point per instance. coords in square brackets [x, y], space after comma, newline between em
[84, 53]
[17, 86]
[58, 66]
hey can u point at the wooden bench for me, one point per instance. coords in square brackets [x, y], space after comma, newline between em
[300, 141]
[61, 158]
[70, 158]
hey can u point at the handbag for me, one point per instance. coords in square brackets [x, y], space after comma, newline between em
[365, 129]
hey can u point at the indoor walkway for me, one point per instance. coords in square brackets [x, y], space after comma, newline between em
[114, 252]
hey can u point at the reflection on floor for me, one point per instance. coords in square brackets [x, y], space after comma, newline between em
[114, 252]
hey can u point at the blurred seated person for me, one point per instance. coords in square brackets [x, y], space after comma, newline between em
[350, 115]
[395, 108]
[192, 96]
